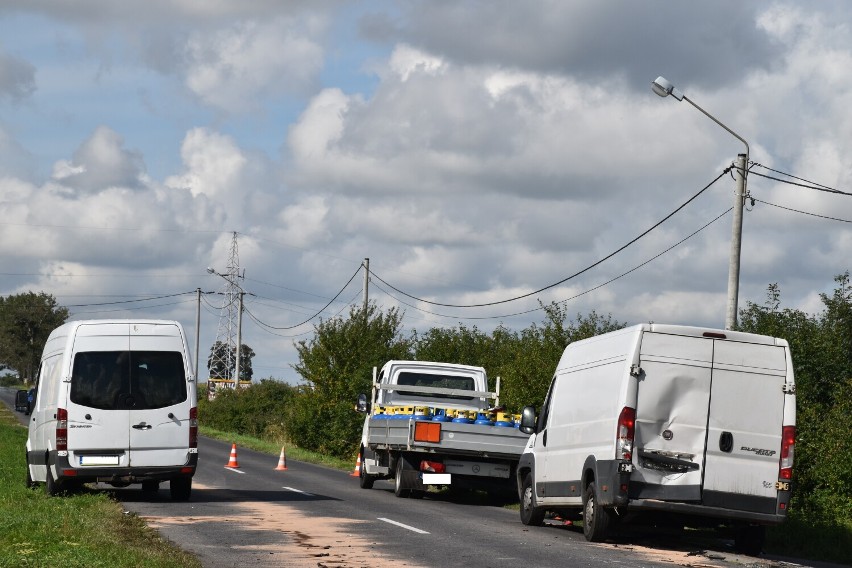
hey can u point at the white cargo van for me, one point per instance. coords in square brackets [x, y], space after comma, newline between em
[691, 424]
[115, 403]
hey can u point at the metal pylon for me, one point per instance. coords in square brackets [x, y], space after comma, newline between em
[226, 334]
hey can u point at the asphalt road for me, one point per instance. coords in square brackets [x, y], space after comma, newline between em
[314, 516]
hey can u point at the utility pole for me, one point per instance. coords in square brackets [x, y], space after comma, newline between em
[736, 243]
[366, 294]
[239, 340]
[227, 350]
[197, 328]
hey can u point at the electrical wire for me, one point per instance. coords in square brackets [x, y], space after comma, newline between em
[596, 263]
[808, 185]
[611, 280]
[802, 212]
[132, 301]
[321, 310]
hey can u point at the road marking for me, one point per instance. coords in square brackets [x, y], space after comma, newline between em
[412, 529]
[234, 470]
[294, 490]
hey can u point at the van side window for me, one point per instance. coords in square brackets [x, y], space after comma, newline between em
[128, 379]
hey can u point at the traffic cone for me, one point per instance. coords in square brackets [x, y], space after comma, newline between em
[282, 461]
[232, 462]
[357, 471]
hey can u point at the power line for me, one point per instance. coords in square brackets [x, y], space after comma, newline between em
[807, 185]
[316, 314]
[802, 212]
[611, 280]
[615, 252]
[131, 301]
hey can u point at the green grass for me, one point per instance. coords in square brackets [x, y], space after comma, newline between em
[801, 539]
[86, 529]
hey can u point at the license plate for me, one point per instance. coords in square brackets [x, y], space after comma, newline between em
[98, 460]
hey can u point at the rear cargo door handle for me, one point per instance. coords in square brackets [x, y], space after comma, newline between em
[142, 426]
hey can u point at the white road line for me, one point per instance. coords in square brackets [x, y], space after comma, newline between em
[294, 490]
[412, 529]
[234, 470]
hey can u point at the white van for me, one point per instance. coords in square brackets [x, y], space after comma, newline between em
[690, 424]
[115, 403]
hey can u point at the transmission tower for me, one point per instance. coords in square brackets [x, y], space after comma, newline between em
[223, 360]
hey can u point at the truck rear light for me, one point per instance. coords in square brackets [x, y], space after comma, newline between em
[193, 427]
[427, 432]
[624, 434]
[432, 467]
[788, 447]
[61, 430]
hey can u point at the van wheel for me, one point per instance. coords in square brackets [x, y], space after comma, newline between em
[399, 488]
[750, 539]
[180, 488]
[150, 486]
[364, 480]
[596, 519]
[530, 514]
[51, 486]
[30, 482]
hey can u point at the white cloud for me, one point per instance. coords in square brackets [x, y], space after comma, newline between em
[236, 68]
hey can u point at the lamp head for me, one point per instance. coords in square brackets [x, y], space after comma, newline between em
[210, 270]
[663, 88]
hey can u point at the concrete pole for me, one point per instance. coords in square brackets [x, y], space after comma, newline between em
[197, 328]
[736, 244]
[366, 294]
[239, 340]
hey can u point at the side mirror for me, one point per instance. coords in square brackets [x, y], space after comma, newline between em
[362, 405]
[528, 420]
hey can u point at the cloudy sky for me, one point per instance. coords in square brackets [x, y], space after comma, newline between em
[474, 151]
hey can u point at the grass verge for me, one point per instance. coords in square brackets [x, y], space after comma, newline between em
[84, 529]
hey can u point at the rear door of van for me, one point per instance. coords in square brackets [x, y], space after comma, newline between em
[745, 426]
[97, 424]
[159, 417]
[672, 407]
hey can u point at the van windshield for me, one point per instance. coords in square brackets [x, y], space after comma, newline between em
[116, 380]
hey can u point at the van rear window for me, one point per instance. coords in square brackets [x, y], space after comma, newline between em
[407, 378]
[120, 380]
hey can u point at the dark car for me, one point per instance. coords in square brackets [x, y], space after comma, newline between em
[21, 401]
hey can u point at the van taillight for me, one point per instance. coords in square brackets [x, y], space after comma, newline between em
[624, 434]
[61, 430]
[193, 427]
[788, 447]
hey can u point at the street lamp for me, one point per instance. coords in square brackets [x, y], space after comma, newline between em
[228, 278]
[663, 88]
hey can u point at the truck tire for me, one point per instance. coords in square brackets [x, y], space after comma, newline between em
[399, 488]
[531, 515]
[596, 519]
[180, 488]
[364, 480]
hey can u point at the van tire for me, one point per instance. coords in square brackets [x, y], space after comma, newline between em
[399, 488]
[51, 486]
[750, 539]
[180, 488]
[150, 486]
[531, 515]
[596, 519]
[30, 482]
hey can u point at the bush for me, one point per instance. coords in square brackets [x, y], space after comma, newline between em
[253, 411]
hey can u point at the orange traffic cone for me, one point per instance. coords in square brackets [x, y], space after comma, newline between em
[232, 462]
[282, 461]
[357, 471]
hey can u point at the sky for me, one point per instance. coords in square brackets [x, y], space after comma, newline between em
[487, 157]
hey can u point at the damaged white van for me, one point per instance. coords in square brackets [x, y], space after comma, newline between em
[116, 403]
[673, 423]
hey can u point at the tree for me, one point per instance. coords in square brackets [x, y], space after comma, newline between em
[222, 364]
[337, 365]
[26, 321]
